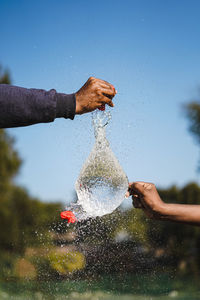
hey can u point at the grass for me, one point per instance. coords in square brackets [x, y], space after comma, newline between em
[121, 287]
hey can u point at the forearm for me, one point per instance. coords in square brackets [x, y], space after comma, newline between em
[22, 107]
[189, 214]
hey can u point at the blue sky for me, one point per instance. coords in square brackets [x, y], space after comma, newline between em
[150, 51]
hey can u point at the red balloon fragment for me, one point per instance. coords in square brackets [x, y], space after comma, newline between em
[69, 216]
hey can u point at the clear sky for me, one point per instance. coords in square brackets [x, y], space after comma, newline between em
[149, 50]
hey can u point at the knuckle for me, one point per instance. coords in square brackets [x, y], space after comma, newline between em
[136, 185]
[98, 91]
[152, 185]
[111, 88]
[91, 78]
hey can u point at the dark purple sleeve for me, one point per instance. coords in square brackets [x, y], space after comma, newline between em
[22, 107]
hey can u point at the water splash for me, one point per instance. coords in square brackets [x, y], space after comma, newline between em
[102, 183]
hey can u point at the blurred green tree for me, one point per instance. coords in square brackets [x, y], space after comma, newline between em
[179, 241]
[9, 166]
[4, 76]
[9, 158]
[192, 111]
[21, 216]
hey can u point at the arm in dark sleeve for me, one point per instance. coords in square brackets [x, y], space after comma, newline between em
[22, 107]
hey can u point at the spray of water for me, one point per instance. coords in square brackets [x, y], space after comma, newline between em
[87, 249]
[102, 183]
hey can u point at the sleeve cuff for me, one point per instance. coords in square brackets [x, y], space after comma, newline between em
[65, 106]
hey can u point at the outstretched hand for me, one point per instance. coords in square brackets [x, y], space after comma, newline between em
[146, 197]
[93, 94]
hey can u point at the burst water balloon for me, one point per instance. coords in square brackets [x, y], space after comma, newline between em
[102, 183]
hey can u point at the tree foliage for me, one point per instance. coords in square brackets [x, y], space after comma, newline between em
[9, 158]
[192, 112]
[21, 216]
[4, 76]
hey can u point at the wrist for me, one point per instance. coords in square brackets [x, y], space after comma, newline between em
[162, 210]
[169, 212]
[78, 110]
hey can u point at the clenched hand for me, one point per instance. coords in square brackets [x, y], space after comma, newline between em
[146, 197]
[93, 94]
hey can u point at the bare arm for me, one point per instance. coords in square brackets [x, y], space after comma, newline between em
[146, 197]
[189, 214]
